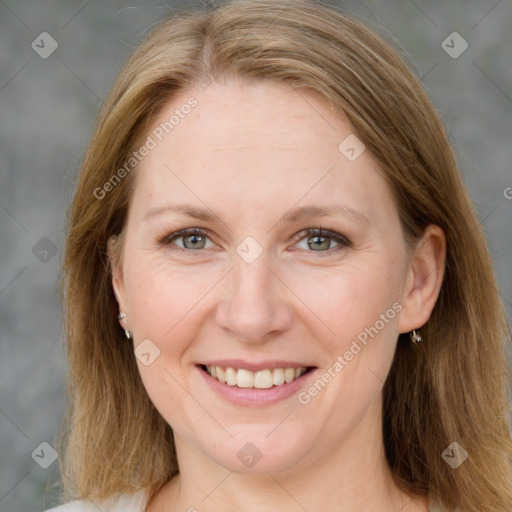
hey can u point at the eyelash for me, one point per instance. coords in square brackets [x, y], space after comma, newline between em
[320, 232]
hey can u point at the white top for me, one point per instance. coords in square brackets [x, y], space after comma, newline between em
[132, 503]
[124, 503]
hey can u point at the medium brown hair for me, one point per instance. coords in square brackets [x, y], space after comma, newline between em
[451, 388]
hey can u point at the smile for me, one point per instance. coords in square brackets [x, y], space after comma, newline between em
[262, 379]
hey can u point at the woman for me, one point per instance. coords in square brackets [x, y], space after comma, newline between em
[271, 211]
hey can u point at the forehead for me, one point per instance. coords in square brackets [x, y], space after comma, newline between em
[248, 146]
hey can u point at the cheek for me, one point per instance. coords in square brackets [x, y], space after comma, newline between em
[160, 300]
[345, 302]
[358, 309]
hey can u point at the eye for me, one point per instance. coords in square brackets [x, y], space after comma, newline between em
[320, 240]
[191, 238]
[317, 240]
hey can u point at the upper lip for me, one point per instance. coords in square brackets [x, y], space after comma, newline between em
[255, 367]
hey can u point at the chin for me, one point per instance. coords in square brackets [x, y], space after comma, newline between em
[255, 452]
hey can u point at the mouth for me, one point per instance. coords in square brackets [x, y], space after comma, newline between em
[261, 379]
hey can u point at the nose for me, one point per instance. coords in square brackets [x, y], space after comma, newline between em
[255, 305]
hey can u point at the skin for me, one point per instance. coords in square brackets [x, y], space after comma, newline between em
[251, 153]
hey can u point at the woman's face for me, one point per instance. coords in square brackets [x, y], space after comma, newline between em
[253, 290]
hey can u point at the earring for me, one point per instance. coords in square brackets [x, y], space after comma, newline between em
[415, 336]
[128, 334]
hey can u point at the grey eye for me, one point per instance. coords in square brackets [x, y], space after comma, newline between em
[319, 242]
[191, 239]
[194, 241]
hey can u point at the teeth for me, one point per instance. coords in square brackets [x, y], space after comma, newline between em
[278, 376]
[289, 374]
[244, 378]
[221, 374]
[231, 376]
[262, 379]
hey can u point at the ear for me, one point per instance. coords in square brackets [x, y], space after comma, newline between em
[424, 279]
[117, 275]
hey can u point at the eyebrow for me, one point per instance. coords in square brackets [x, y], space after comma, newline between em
[292, 216]
[322, 211]
[186, 209]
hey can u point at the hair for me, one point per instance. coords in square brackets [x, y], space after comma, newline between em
[453, 387]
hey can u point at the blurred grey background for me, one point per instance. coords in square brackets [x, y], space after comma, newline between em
[48, 106]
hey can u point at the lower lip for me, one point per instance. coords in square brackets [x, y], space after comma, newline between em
[253, 396]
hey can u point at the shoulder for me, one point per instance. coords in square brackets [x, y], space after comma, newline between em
[121, 503]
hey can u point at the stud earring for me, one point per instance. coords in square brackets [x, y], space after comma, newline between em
[415, 336]
[128, 334]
